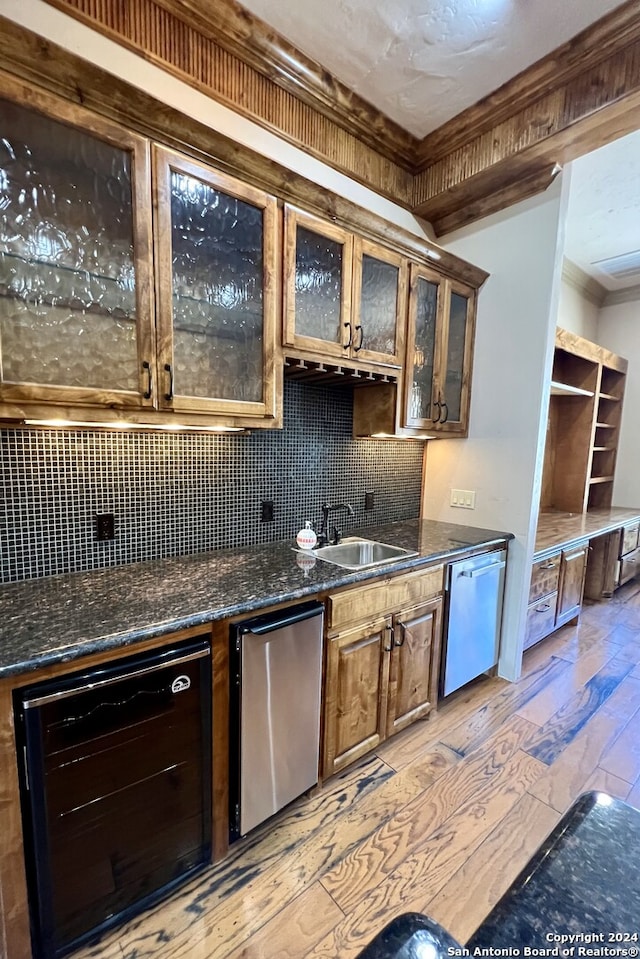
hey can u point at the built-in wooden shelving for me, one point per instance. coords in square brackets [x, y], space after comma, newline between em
[587, 389]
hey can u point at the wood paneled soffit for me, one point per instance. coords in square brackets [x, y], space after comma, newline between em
[226, 53]
[501, 150]
[42, 65]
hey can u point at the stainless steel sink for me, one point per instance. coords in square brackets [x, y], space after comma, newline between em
[355, 553]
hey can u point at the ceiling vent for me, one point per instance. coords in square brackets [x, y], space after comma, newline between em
[625, 268]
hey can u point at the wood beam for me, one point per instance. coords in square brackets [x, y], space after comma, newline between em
[583, 95]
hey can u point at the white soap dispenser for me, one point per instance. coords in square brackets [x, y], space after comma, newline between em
[306, 538]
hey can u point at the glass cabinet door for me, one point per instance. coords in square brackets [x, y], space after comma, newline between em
[216, 256]
[318, 263]
[420, 400]
[379, 303]
[454, 382]
[75, 264]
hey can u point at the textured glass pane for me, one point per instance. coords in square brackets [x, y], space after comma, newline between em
[455, 354]
[217, 292]
[318, 286]
[378, 305]
[423, 355]
[67, 281]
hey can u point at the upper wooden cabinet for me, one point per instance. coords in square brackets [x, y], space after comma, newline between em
[87, 226]
[440, 333]
[345, 297]
[216, 253]
[76, 308]
[585, 408]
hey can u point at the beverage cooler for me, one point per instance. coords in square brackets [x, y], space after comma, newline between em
[115, 774]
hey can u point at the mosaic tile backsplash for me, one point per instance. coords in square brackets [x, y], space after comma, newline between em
[172, 495]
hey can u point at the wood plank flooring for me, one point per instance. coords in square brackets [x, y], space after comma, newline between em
[439, 820]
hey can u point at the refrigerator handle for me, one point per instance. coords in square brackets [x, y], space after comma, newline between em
[288, 618]
[473, 573]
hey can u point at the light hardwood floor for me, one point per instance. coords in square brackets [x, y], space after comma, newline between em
[439, 820]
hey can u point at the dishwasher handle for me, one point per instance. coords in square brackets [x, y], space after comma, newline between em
[268, 624]
[473, 573]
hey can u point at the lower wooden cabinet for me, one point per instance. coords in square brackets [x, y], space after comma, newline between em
[357, 679]
[414, 664]
[572, 571]
[381, 675]
[555, 592]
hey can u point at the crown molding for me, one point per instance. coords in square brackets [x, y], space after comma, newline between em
[586, 285]
[630, 294]
[500, 151]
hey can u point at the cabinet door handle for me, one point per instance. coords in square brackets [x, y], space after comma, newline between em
[347, 346]
[543, 608]
[392, 639]
[169, 369]
[359, 330]
[436, 419]
[403, 630]
[548, 566]
[443, 406]
[146, 366]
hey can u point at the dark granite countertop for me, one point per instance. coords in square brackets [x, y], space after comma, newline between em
[59, 618]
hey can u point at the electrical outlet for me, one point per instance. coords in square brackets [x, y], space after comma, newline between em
[266, 511]
[464, 498]
[105, 526]
[368, 499]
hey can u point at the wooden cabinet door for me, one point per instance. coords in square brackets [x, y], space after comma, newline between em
[217, 254]
[317, 286]
[439, 353]
[76, 310]
[415, 663]
[453, 385]
[356, 685]
[379, 302]
[571, 584]
[423, 349]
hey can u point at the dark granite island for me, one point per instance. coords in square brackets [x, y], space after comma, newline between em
[577, 897]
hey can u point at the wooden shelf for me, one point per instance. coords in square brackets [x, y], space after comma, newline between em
[579, 461]
[565, 389]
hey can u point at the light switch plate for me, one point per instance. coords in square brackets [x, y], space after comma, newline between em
[463, 498]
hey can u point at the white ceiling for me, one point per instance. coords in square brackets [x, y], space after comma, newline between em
[603, 217]
[421, 62]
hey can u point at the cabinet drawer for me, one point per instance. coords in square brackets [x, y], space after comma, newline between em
[544, 577]
[629, 539]
[541, 618]
[368, 601]
[629, 566]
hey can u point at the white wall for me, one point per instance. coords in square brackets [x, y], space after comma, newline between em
[576, 312]
[502, 458]
[619, 330]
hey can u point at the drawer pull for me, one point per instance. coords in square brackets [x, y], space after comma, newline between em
[544, 608]
[548, 566]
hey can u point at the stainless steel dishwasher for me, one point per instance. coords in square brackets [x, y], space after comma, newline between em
[473, 615]
[276, 676]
